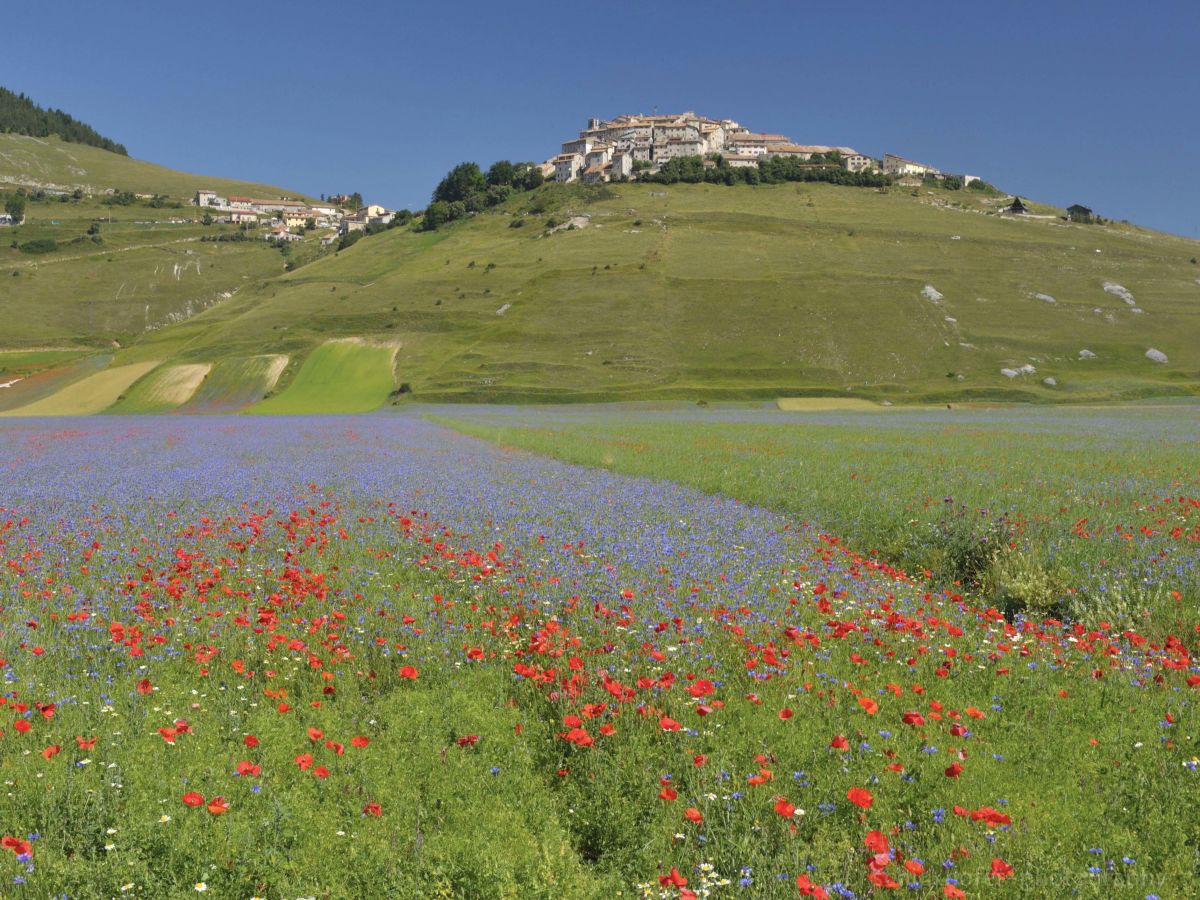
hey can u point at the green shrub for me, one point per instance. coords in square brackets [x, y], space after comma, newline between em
[41, 245]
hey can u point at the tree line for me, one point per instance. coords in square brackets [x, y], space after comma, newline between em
[20, 115]
[824, 167]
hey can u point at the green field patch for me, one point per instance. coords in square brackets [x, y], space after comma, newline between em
[89, 395]
[338, 377]
[23, 363]
[234, 384]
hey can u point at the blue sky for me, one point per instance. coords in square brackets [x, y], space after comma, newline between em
[1067, 102]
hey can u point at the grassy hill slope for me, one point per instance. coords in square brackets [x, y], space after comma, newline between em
[147, 267]
[716, 292]
[53, 163]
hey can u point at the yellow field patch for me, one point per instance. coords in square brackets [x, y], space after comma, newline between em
[88, 395]
[824, 404]
[278, 362]
[175, 385]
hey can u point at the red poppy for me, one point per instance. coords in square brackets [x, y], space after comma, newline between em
[218, 805]
[191, 798]
[52, 750]
[1000, 869]
[953, 893]
[785, 714]
[693, 815]
[868, 705]
[250, 741]
[579, 737]
[808, 889]
[304, 761]
[699, 760]
[840, 743]
[16, 845]
[315, 734]
[860, 797]
[321, 772]
[246, 767]
[666, 723]
[22, 725]
[882, 879]
[144, 686]
[373, 809]
[784, 808]
[674, 879]
[468, 740]
[85, 743]
[667, 794]
[913, 866]
[359, 741]
[409, 672]
[954, 770]
[877, 842]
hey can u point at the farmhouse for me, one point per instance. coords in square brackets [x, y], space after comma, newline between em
[1016, 208]
[1077, 213]
[900, 167]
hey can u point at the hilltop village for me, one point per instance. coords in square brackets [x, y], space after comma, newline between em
[616, 149]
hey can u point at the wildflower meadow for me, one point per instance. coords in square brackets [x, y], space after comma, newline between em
[372, 656]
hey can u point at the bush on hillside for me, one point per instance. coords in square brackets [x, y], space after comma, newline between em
[41, 245]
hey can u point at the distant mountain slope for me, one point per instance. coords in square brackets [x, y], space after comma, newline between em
[20, 115]
[737, 292]
[53, 163]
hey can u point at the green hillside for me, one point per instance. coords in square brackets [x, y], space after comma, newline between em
[718, 292]
[51, 162]
[681, 291]
[110, 268]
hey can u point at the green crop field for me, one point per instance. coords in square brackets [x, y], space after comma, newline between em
[337, 377]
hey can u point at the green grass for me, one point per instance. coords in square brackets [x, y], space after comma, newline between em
[19, 363]
[1070, 512]
[53, 163]
[337, 377]
[145, 274]
[735, 293]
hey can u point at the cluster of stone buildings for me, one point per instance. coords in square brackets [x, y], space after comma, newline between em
[285, 218]
[607, 150]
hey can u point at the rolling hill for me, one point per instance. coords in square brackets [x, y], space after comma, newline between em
[117, 269]
[50, 162]
[631, 291]
[693, 291]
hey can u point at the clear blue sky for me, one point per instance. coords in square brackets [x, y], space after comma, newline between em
[1068, 102]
